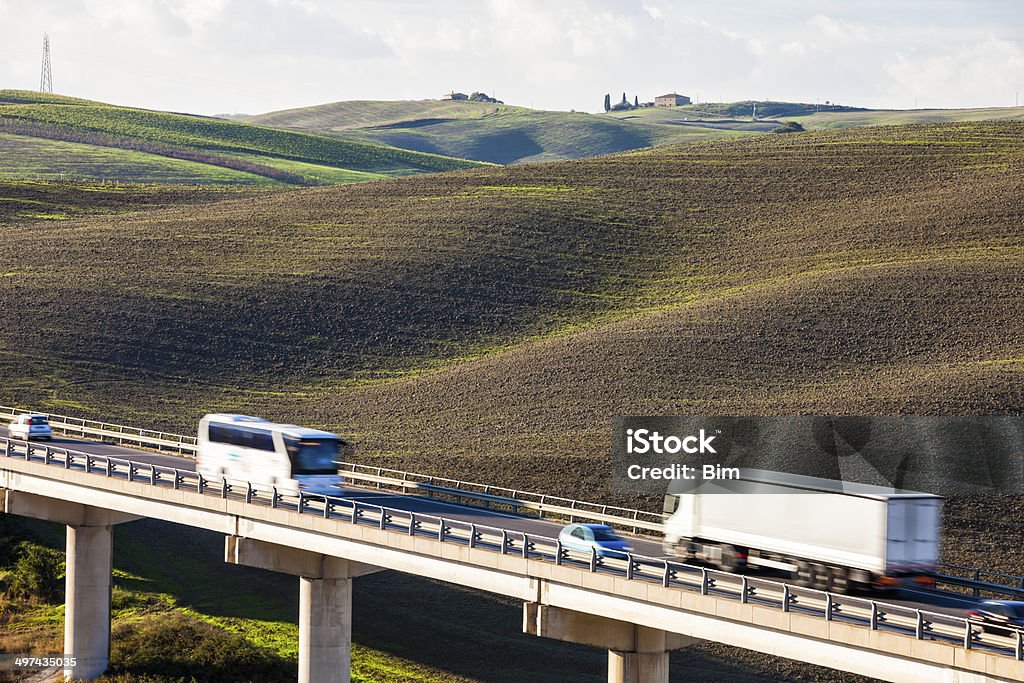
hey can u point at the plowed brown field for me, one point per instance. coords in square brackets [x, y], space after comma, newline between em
[488, 324]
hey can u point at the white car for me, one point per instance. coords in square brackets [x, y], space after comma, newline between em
[28, 427]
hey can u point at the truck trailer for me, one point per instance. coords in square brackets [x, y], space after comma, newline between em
[830, 535]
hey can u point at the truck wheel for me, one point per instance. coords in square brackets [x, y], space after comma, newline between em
[820, 578]
[803, 576]
[839, 580]
[730, 561]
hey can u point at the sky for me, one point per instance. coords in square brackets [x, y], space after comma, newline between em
[253, 56]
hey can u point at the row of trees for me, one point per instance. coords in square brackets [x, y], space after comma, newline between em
[621, 106]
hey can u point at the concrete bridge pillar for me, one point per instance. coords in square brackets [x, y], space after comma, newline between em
[636, 654]
[87, 600]
[325, 602]
[88, 563]
[325, 630]
[647, 662]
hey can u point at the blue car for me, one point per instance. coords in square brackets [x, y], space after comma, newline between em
[583, 537]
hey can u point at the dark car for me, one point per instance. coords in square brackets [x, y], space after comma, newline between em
[998, 617]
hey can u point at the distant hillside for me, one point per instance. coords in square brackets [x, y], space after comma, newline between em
[449, 319]
[765, 109]
[486, 132]
[889, 117]
[53, 136]
[340, 116]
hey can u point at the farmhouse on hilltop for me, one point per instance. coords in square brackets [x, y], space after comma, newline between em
[455, 96]
[671, 100]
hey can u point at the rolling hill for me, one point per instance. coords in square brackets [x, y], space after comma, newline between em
[883, 117]
[49, 136]
[487, 324]
[526, 305]
[506, 134]
[494, 133]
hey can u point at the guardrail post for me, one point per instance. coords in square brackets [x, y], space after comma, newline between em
[874, 615]
[1018, 646]
[504, 541]
[744, 589]
[302, 501]
[224, 488]
[526, 546]
[46, 457]
[88, 463]
[472, 535]
[977, 579]
[829, 606]
[248, 492]
[440, 531]
[785, 597]
[273, 498]
[383, 522]
[152, 474]
[327, 507]
[968, 635]
[558, 552]
[131, 471]
[28, 450]
[355, 512]
[629, 566]
[593, 559]
[412, 523]
[666, 578]
[704, 581]
[109, 466]
[68, 460]
[919, 626]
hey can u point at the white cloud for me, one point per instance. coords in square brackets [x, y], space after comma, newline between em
[212, 56]
[983, 74]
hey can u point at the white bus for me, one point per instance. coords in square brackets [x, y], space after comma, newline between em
[251, 449]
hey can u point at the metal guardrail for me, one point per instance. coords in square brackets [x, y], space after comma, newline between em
[974, 582]
[179, 443]
[980, 583]
[872, 614]
[503, 498]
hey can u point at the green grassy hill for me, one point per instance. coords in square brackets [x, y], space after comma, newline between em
[883, 117]
[47, 136]
[505, 134]
[487, 132]
[341, 116]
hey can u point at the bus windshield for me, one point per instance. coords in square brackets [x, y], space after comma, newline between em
[313, 456]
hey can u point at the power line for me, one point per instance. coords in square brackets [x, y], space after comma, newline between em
[45, 77]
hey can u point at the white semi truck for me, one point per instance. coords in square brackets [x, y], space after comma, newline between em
[828, 534]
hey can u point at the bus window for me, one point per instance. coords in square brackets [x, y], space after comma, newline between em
[243, 437]
[313, 456]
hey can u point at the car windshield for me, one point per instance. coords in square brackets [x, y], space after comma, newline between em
[313, 456]
[1015, 611]
[603, 533]
[40, 420]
